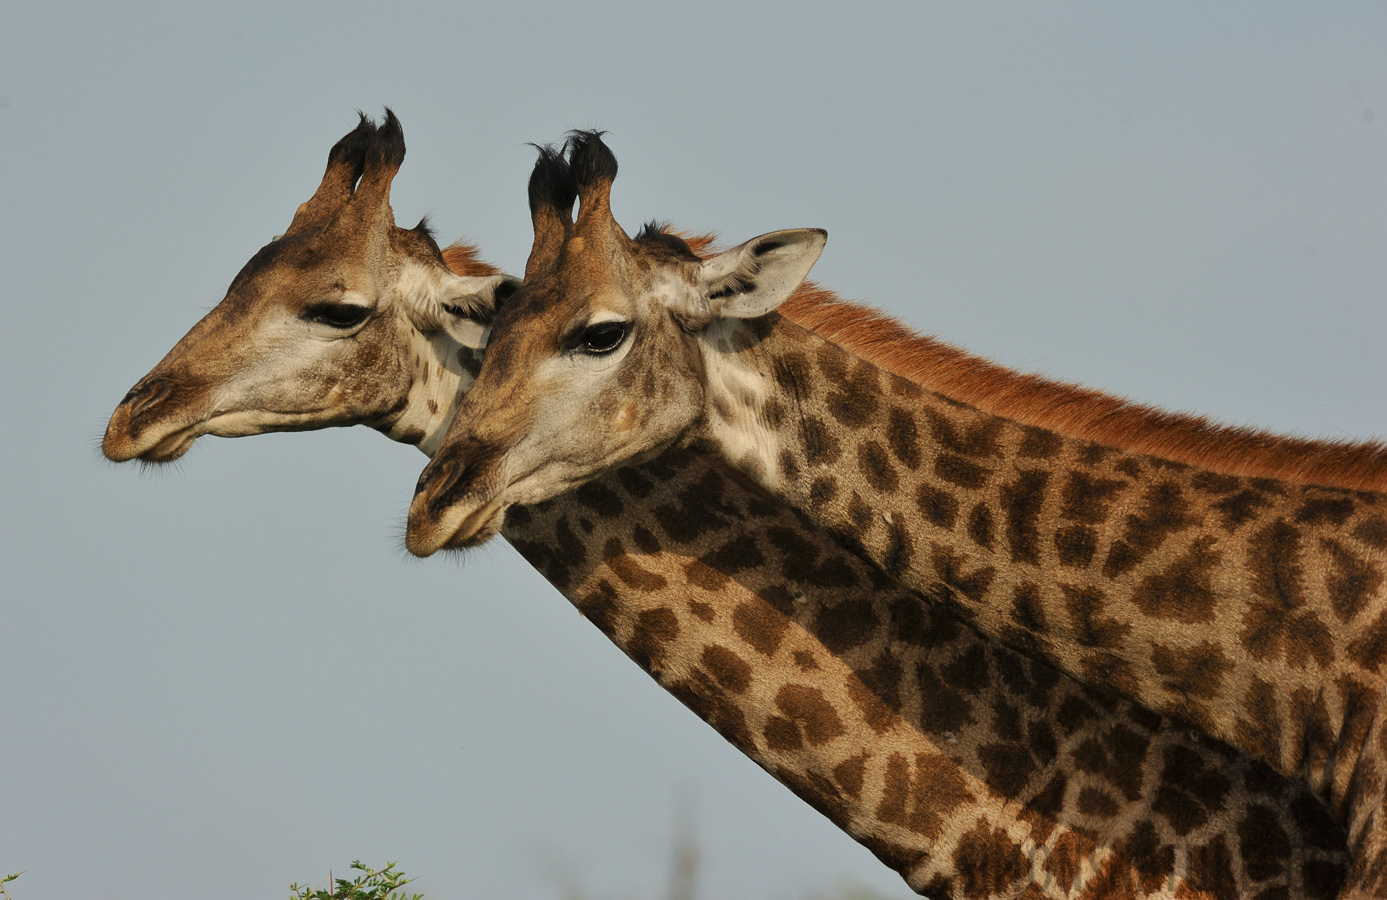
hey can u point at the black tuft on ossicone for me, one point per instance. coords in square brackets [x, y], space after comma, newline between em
[589, 159]
[350, 151]
[388, 148]
[658, 234]
[551, 182]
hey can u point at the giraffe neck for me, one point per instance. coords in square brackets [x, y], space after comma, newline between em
[1245, 606]
[441, 371]
[969, 768]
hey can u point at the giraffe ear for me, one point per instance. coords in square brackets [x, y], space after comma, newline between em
[754, 278]
[471, 303]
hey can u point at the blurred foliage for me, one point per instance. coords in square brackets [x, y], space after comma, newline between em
[384, 883]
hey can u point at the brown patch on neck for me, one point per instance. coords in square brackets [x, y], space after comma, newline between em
[1082, 412]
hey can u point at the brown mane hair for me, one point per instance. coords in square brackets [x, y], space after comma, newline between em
[462, 258]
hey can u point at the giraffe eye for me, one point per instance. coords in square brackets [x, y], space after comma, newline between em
[603, 338]
[336, 315]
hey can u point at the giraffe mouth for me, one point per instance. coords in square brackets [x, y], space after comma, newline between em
[455, 528]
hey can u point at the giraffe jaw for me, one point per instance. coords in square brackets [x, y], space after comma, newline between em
[457, 528]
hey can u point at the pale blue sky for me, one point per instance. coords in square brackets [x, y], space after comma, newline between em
[222, 677]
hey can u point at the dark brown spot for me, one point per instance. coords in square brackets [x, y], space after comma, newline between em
[1353, 581]
[1161, 513]
[820, 446]
[876, 467]
[903, 438]
[727, 668]
[816, 717]
[1184, 591]
[937, 506]
[980, 526]
[823, 490]
[1327, 510]
[1037, 443]
[1075, 545]
[1241, 507]
[655, 629]
[960, 471]
[1088, 498]
[760, 625]
[1191, 671]
[1021, 501]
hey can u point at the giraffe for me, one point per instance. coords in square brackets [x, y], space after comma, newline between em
[1251, 607]
[968, 768]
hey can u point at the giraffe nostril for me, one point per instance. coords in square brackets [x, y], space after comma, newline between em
[437, 481]
[146, 394]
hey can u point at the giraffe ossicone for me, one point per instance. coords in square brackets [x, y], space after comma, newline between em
[969, 769]
[1251, 607]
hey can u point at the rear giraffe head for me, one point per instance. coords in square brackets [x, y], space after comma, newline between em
[597, 358]
[344, 319]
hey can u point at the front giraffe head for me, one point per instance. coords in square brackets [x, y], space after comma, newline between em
[603, 357]
[344, 319]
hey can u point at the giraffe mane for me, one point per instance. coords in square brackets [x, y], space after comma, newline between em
[1083, 412]
[462, 257]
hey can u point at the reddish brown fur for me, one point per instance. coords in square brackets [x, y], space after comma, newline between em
[461, 258]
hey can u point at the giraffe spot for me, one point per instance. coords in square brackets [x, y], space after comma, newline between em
[883, 678]
[631, 573]
[644, 539]
[913, 622]
[1021, 501]
[780, 733]
[922, 797]
[634, 481]
[876, 467]
[1044, 748]
[1008, 767]
[1323, 879]
[1240, 508]
[960, 436]
[738, 554]
[1183, 592]
[941, 707]
[1318, 510]
[821, 448]
[789, 466]
[760, 625]
[1259, 728]
[846, 625]
[815, 716]
[1037, 443]
[1191, 671]
[960, 471]
[727, 668]
[1074, 713]
[1093, 801]
[1091, 454]
[853, 409]
[980, 526]
[1161, 512]
[704, 611]
[1210, 869]
[989, 862]
[1372, 531]
[1028, 614]
[1006, 721]
[805, 661]
[937, 506]
[849, 774]
[699, 574]
[1370, 650]
[970, 670]
[1189, 789]
[823, 490]
[1353, 582]
[948, 566]
[655, 629]
[903, 437]
[791, 373]
[1088, 498]
[1085, 606]
[773, 413]
[1075, 545]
